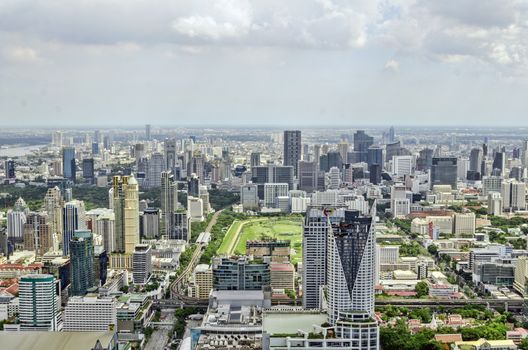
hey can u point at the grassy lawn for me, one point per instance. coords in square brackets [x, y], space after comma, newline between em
[225, 247]
[279, 228]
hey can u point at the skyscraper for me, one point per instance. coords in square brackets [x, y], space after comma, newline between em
[88, 170]
[350, 265]
[39, 303]
[82, 262]
[475, 160]
[444, 171]
[170, 154]
[126, 210]
[169, 201]
[68, 163]
[362, 142]
[292, 149]
[147, 132]
[316, 224]
[254, 159]
[10, 174]
[73, 220]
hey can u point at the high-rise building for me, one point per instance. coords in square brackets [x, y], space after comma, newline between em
[292, 149]
[271, 173]
[141, 264]
[10, 174]
[182, 226]
[39, 303]
[375, 155]
[272, 191]
[53, 205]
[499, 162]
[38, 234]
[153, 167]
[69, 167]
[169, 201]
[334, 178]
[254, 159]
[444, 171]
[310, 177]
[150, 223]
[424, 161]
[351, 258]
[402, 165]
[88, 170]
[316, 224]
[73, 219]
[15, 225]
[513, 195]
[56, 139]
[495, 203]
[126, 210]
[89, 314]
[475, 160]
[464, 224]
[82, 262]
[362, 142]
[147, 132]
[392, 136]
[249, 197]
[105, 224]
[240, 274]
[170, 154]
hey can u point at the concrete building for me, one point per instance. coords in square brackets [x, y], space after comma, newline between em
[141, 264]
[292, 149]
[272, 191]
[39, 306]
[203, 280]
[82, 262]
[513, 195]
[464, 224]
[282, 276]
[239, 274]
[90, 313]
[126, 210]
[249, 197]
[495, 203]
[195, 208]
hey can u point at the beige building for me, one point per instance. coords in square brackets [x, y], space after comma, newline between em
[464, 224]
[521, 275]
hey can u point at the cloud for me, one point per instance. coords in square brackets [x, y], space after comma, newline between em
[392, 65]
[20, 54]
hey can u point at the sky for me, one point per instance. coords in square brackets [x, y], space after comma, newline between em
[263, 62]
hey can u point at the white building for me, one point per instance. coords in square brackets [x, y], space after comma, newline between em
[334, 178]
[249, 197]
[141, 264]
[195, 208]
[402, 165]
[513, 195]
[272, 191]
[90, 313]
[39, 303]
[494, 203]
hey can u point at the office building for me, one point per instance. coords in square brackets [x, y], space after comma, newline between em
[362, 142]
[424, 161]
[475, 160]
[254, 159]
[272, 191]
[105, 224]
[10, 175]
[182, 225]
[271, 173]
[195, 209]
[444, 171]
[402, 165]
[375, 155]
[69, 166]
[203, 280]
[53, 205]
[89, 314]
[88, 170]
[249, 197]
[126, 210]
[147, 132]
[73, 219]
[310, 177]
[82, 262]
[464, 224]
[334, 178]
[282, 276]
[150, 223]
[39, 303]
[141, 264]
[15, 225]
[169, 201]
[240, 274]
[499, 163]
[513, 195]
[495, 203]
[292, 149]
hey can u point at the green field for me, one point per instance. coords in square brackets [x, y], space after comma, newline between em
[280, 228]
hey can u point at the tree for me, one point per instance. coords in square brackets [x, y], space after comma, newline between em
[422, 289]
[524, 344]
[432, 249]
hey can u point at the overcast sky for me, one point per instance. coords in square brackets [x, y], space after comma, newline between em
[267, 62]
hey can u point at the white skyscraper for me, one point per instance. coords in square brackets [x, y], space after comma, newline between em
[39, 303]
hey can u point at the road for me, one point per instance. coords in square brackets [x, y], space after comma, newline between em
[184, 276]
[160, 337]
